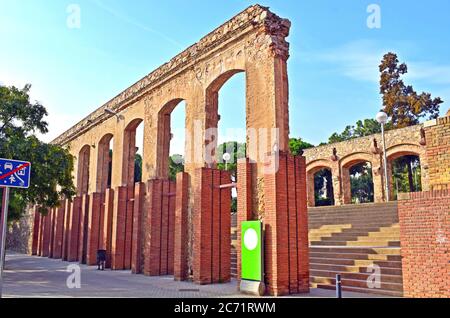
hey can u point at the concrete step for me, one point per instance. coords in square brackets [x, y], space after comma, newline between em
[379, 292]
[355, 283]
[375, 257]
[396, 279]
[355, 262]
[357, 250]
[352, 238]
[357, 243]
[353, 269]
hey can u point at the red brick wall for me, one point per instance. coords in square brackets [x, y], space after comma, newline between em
[36, 228]
[181, 228]
[58, 230]
[66, 233]
[136, 255]
[425, 242]
[244, 203]
[119, 229]
[159, 225]
[212, 227]
[286, 227]
[94, 226]
[108, 225]
[72, 251]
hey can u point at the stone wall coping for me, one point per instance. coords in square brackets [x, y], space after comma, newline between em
[253, 18]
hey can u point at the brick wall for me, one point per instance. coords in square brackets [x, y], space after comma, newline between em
[425, 242]
[286, 227]
[438, 152]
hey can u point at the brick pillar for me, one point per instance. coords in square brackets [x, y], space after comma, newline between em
[36, 227]
[159, 228]
[108, 225]
[129, 227]
[311, 190]
[41, 236]
[72, 253]
[286, 227]
[94, 218]
[119, 229]
[181, 228]
[84, 228]
[346, 186]
[66, 233]
[47, 234]
[244, 202]
[59, 231]
[211, 246]
[378, 179]
[52, 232]
[136, 255]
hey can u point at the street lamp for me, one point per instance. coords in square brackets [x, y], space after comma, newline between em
[226, 157]
[382, 118]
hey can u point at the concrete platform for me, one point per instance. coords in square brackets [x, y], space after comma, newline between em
[36, 277]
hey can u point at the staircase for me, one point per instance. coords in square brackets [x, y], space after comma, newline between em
[354, 241]
[234, 245]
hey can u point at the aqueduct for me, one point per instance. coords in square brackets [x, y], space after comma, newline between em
[161, 227]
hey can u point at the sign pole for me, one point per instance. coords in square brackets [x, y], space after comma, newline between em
[3, 222]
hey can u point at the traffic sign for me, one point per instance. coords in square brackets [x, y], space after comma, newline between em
[14, 173]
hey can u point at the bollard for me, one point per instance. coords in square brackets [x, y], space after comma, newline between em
[338, 286]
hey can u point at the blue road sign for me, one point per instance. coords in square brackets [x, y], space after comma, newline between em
[14, 173]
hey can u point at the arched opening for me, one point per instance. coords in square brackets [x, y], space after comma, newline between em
[171, 136]
[83, 170]
[226, 134]
[104, 163]
[406, 174]
[323, 188]
[361, 183]
[132, 153]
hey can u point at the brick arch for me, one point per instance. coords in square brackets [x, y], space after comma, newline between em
[103, 162]
[164, 136]
[84, 156]
[318, 165]
[355, 158]
[398, 151]
[311, 169]
[129, 151]
[212, 116]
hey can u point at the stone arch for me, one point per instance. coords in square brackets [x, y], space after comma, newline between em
[398, 151]
[129, 151]
[103, 163]
[84, 156]
[165, 136]
[212, 116]
[346, 164]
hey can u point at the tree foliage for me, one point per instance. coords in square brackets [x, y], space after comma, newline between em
[297, 145]
[52, 166]
[363, 128]
[401, 102]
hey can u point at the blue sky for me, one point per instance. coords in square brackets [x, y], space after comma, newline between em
[333, 69]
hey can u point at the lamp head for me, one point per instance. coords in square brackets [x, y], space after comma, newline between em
[382, 118]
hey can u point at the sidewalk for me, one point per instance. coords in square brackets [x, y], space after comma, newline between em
[29, 276]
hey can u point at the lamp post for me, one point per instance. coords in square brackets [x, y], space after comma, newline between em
[382, 118]
[226, 157]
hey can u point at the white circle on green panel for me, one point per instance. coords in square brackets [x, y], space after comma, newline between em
[250, 239]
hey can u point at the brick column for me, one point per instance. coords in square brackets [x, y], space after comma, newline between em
[47, 234]
[244, 203]
[52, 215]
[94, 228]
[129, 226]
[59, 231]
[181, 228]
[36, 227]
[66, 233]
[84, 229]
[286, 236]
[108, 225]
[212, 243]
[118, 229]
[136, 255]
[72, 253]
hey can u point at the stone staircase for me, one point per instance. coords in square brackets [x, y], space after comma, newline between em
[354, 241]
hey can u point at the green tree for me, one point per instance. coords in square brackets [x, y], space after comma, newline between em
[297, 145]
[363, 128]
[52, 166]
[137, 168]
[176, 165]
[401, 102]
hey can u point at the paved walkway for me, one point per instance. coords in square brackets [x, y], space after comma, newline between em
[28, 276]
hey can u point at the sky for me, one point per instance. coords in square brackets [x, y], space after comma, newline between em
[333, 69]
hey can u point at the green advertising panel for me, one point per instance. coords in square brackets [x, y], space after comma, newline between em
[252, 247]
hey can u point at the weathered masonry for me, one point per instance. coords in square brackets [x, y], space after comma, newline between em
[339, 158]
[160, 227]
